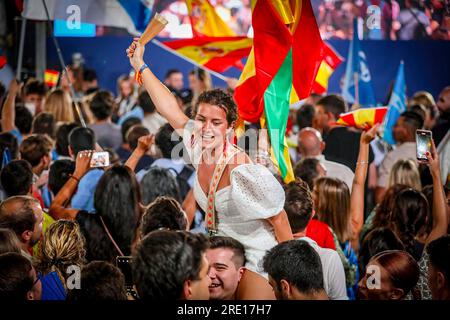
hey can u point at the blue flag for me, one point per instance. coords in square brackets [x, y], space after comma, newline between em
[6, 157]
[397, 105]
[358, 81]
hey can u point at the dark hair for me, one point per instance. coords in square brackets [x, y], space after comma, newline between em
[220, 98]
[35, 147]
[8, 140]
[62, 138]
[20, 219]
[220, 242]
[298, 205]
[159, 182]
[44, 123]
[412, 120]
[8, 241]
[401, 268]
[383, 212]
[306, 276]
[306, 170]
[35, 87]
[376, 241]
[17, 178]
[127, 124]
[420, 110]
[134, 133]
[100, 280]
[171, 72]
[81, 139]
[89, 75]
[60, 171]
[164, 260]
[164, 141]
[15, 278]
[102, 104]
[334, 104]
[24, 119]
[117, 200]
[410, 216]
[439, 253]
[145, 102]
[163, 212]
[305, 115]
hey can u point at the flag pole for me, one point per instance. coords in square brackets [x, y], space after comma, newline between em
[21, 45]
[64, 67]
[214, 73]
[355, 79]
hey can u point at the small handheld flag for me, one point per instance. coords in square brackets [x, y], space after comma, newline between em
[363, 118]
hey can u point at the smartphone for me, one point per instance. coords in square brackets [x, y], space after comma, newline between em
[100, 159]
[124, 264]
[423, 144]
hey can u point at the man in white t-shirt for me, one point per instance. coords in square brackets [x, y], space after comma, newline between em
[299, 209]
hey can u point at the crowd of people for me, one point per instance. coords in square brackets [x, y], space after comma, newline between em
[175, 210]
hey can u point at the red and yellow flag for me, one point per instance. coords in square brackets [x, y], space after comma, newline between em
[205, 21]
[51, 77]
[331, 60]
[215, 53]
[363, 118]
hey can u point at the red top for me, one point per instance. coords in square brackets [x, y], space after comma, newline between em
[320, 233]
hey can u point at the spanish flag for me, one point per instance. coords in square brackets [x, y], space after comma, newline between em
[51, 77]
[215, 53]
[363, 118]
[286, 54]
[205, 21]
[331, 60]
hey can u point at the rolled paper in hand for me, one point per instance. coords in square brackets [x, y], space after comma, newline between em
[155, 26]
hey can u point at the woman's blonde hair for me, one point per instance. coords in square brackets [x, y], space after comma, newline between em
[62, 246]
[59, 103]
[406, 172]
[332, 205]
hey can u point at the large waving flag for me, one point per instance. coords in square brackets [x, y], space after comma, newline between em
[205, 21]
[331, 60]
[282, 59]
[215, 53]
[358, 81]
[397, 105]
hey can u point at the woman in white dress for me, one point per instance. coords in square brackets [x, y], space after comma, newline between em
[241, 199]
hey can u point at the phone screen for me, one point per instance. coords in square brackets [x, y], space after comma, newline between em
[124, 264]
[423, 143]
[100, 159]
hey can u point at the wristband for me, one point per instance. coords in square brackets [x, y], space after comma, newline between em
[75, 178]
[138, 76]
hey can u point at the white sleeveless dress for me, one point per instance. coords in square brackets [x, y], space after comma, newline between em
[243, 207]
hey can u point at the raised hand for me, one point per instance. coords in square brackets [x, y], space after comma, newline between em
[82, 163]
[368, 135]
[145, 142]
[135, 53]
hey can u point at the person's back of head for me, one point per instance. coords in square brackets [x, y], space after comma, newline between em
[308, 171]
[60, 171]
[410, 122]
[383, 211]
[102, 105]
[17, 178]
[310, 142]
[81, 139]
[8, 141]
[36, 150]
[134, 133]
[44, 123]
[163, 212]
[18, 278]
[62, 138]
[159, 182]
[35, 87]
[59, 103]
[23, 120]
[302, 282]
[127, 124]
[166, 140]
[146, 103]
[153, 269]
[406, 172]
[439, 270]
[420, 110]
[333, 104]
[8, 241]
[100, 281]
[305, 116]
[298, 205]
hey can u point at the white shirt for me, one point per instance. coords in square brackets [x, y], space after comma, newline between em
[333, 271]
[337, 170]
[153, 122]
[444, 156]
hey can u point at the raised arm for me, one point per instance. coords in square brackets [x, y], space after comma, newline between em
[9, 108]
[144, 144]
[357, 194]
[58, 209]
[440, 215]
[281, 227]
[164, 101]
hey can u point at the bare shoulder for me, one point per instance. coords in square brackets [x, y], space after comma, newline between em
[238, 159]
